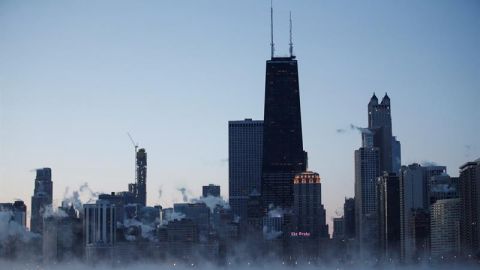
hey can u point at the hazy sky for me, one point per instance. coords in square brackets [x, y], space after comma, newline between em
[75, 76]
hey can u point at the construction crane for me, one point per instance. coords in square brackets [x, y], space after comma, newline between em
[136, 148]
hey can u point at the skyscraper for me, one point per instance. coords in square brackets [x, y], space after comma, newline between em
[309, 213]
[414, 209]
[349, 217]
[42, 197]
[139, 188]
[283, 155]
[366, 172]
[388, 203]
[445, 228]
[380, 123]
[100, 230]
[469, 183]
[245, 148]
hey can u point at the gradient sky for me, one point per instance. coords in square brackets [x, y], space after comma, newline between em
[75, 76]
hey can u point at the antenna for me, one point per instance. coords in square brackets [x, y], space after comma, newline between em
[291, 42]
[272, 45]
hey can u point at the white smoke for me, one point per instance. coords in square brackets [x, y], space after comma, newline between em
[79, 197]
[50, 211]
[270, 234]
[212, 202]
[276, 212]
[184, 194]
[171, 216]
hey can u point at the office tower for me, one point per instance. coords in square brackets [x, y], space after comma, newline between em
[445, 228]
[388, 203]
[349, 217]
[380, 123]
[42, 197]
[120, 200]
[283, 154]
[245, 148]
[141, 175]
[100, 229]
[18, 211]
[469, 183]
[309, 213]
[414, 209]
[396, 155]
[338, 228]
[211, 190]
[367, 162]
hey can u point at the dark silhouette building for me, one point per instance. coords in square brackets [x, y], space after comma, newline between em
[469, 183]
[18, 211]
[211, 190]
[309, 213]
[388, 205]
[245, 148]
[42, 197]
[349, 218]
[139, 188]
[283, 155]
[380, 122]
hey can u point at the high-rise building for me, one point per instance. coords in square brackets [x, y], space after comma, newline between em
[211, 190]
[309, 213]
[141, 174]
[367, 162]
[100, 230]
[388, 203]
[380, 123]
[469, 183]
[396, 155]
[442, 187]
[245, 147]
[414, 209]
[445, 228]
[18, 211]
[349, 217]
[283, 154]
[42, 197]
[338, 228]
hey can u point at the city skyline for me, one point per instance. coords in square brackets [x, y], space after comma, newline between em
[82, 130]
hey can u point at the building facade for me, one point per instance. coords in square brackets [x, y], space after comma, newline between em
[445, 228]
[245, 148]
[469, 183]
[42, 197]
[283, 154]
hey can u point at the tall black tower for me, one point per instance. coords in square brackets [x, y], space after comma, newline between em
[42, 198]
[141, 175]
[380, 122]
[283, 155]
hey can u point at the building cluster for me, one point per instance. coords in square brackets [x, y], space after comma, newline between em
[399, 213]
[410, 214]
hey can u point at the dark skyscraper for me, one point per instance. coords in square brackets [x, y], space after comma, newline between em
[469, 184]
[380, 122]
[308, 208]
[388, 205]
[283, 155]
[349, 217]
[42, 197]
[245, 147]
[139, 188]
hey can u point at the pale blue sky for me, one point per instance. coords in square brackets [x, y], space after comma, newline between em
[75, 76]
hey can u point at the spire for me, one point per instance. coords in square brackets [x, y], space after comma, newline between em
[272, 45]
[386, 100]
[373, 100]
[291, 42]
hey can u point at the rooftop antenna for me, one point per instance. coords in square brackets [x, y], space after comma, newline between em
[291, 42]
[272, 45]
